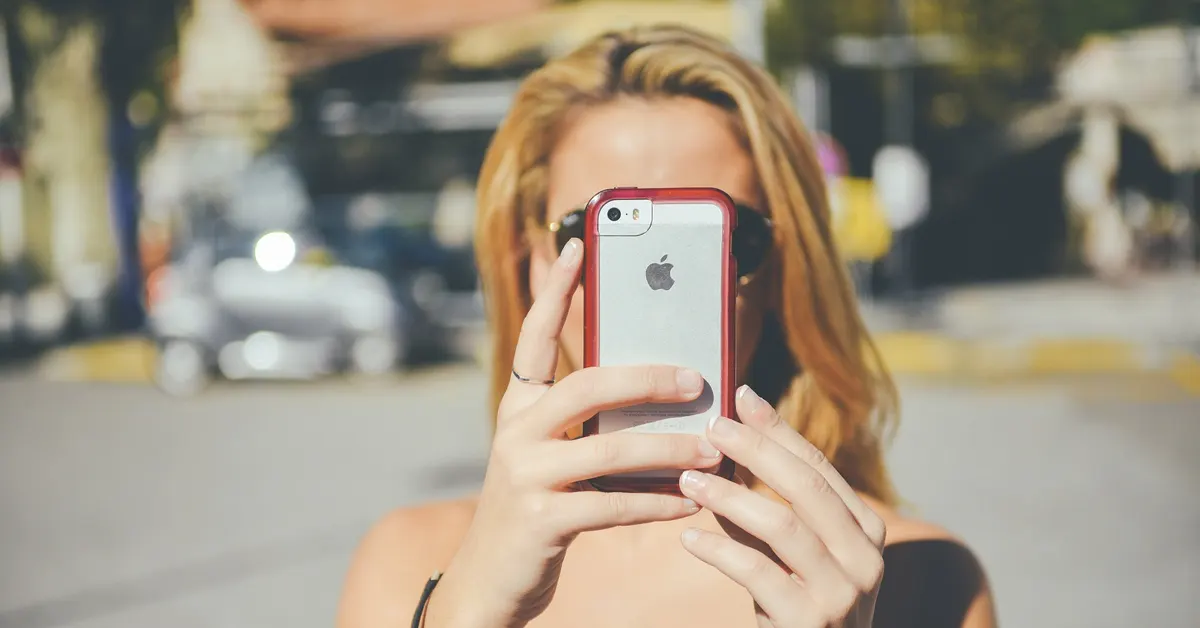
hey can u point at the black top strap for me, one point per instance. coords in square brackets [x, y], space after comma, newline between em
[419, 615]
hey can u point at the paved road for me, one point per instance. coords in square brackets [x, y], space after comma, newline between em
[122, 508]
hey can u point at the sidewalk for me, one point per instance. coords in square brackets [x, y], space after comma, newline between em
[1055, 327]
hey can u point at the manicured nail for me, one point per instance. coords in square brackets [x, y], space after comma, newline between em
[691, 506]
[749, 398]
[722, 427]
[569, 252]
[691, 480]
[689, 381]
[689, 536]
[707, 450]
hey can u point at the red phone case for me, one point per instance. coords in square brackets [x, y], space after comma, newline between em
[591, 267]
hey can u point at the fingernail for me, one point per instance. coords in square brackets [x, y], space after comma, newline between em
[569, 252]
[689, 381]
[690, 535]
[747, 396]
[721, 426]
[691, 506]
[707, 450]
[691, 480]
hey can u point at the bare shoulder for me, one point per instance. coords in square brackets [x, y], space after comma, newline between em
[927, 559]
[395, 559]
[901, 528]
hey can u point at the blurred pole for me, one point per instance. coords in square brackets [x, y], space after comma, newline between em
[125, 212]
[1186, 181]
[12, 212]
[7, 99]
[749, 29]
[898, 125]
[899, 173]
[898, 98]
[810, 93]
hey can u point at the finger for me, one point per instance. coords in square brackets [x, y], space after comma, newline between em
[589, 511]
[584, 393]
[811, 498]
[784, 601]
[621, 452]
[759, 415]
[771, 522]
[536, 354]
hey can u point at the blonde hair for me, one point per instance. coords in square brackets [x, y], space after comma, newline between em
[834, 388]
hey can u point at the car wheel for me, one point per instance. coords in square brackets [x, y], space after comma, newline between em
[428, 289]
[372, 355]
[181, 368]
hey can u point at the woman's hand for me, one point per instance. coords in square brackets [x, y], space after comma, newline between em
[507, 569]
[814, 560]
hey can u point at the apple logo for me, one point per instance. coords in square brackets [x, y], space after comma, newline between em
[659, 275]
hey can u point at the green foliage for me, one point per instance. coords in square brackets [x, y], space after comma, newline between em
[1010, 48]
[138, 37]
[1019, 38]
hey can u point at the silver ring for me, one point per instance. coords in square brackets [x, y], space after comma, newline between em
[526, 380]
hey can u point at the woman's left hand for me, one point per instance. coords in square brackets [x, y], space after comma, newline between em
[813, 561]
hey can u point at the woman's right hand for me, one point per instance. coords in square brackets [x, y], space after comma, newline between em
[507, 568]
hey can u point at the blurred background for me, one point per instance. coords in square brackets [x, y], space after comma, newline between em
[239, 316]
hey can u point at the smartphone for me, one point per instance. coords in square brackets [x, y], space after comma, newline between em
[660, 288]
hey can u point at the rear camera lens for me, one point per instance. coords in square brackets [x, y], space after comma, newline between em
[614, 214]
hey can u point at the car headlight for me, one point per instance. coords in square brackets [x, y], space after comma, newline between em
[275, 251]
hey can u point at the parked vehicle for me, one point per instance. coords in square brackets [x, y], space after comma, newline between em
[274, 304]
[34, 312]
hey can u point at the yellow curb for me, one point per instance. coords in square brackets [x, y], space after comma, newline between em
[992, 360]
[929, 354]
[1084, 356]
[1185, 371]
[919, 353]
[122, 361]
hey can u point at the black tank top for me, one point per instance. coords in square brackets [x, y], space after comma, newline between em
[927, 584]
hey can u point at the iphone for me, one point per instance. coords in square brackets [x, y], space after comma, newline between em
[660, 288]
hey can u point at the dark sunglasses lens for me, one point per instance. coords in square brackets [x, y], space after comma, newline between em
[751, 240]
[571, 226]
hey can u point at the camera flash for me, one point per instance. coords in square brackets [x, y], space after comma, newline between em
[635, 213]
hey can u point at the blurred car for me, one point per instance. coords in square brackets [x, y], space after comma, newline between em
[34, 312]
[245, 304]
[37, 312]
[432, 276]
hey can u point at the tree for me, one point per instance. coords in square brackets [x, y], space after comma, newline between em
[1010, 46]
[76, 66]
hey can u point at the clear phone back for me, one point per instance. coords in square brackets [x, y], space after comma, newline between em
[662, 301]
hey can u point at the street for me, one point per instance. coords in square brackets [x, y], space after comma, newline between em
[120, 507]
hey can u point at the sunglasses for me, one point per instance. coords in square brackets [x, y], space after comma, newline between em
[751, 239]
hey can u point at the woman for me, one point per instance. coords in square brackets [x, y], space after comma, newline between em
[801, 541]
